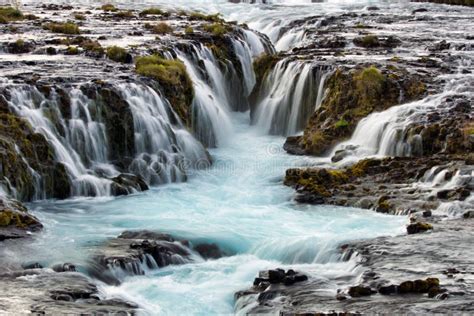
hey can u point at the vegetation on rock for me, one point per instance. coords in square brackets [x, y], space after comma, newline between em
[9, 14]
[119, 54]
[69, 28]
[172, 76]
[352, 95]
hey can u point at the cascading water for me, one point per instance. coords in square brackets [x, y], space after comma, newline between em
[289, 95]
[163, 151]
[66, 137]
[386, 133]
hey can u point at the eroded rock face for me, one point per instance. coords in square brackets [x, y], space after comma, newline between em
[352, 95]
[15, 221]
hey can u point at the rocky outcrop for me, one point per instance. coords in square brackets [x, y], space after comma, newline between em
[15, 221]
[42, 291]
[352, 95]
[390, 185]
[21, 150]
[135, 252]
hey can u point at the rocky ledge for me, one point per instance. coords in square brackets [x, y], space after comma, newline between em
[404, 274]
[15, 221]
[43, 291]
[135, 252]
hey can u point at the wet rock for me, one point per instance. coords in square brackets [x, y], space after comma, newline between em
[51, 293]
[292, 146]
[208, 251]
[34, 265]
[359, 290]
[20, 47]
[125, 184]
[131, 254]
[65, 267]
[418, 227]
[15, 221]
[388, 289]
[440, 46]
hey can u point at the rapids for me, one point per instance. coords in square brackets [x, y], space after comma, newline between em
[238, 204]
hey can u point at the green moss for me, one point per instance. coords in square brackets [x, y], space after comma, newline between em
[264, 64]
[9, 14]
[360, 26]
[361, 168]
[92, 46]
[124, 14]
[79, 17]
[118, 54]
[367, 41]
[72, 50]
[151, 11]
[64, 28]
[162, 70]
[342, 123]
[203, 17]
[108, 7]
[162, 28]
[189, 30]
[174, 82]
[216, 29]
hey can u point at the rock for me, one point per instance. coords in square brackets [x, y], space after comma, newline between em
[360, 290]
[30, 266]
[44, 292]
[468, 214]
[388, 289]
[427, 213]
[131, 255]
[208, 251]
[15, 221]
[418, 227]
[65, 267]
[292, 145]
[125, 184]
[20, 47]
[420, 10]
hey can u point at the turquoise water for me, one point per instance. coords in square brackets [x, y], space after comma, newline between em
[240, 204]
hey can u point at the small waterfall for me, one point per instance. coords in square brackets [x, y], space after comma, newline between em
[387, 133]
[70, 139]
[163, 151]
[289, 95]
[72, 121]
[211, 106]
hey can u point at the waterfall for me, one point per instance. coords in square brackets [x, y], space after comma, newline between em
[163, 151]
[76, 131]
[289, 95]
[76, 142]
[387, 133]
[212, 103]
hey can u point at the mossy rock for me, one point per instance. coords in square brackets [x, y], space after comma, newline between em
[173, 79]
[63, 28]
[352, 95]
[119, 54]
[10, 14]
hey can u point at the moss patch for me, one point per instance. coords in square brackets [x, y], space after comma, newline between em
[64, 28]
[119, 54]
[9, 14]
[172, 76]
